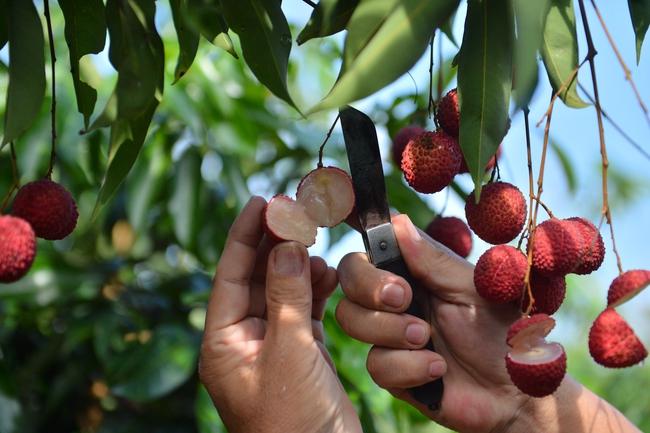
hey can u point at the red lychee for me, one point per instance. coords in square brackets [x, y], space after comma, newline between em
[499, 274]
[448, 113]
[626, 286]
[327, 195]
[48, 207]
[401, 139]
[592, 248]
[548, 293]
[612, 343]
[287, 220]
[557, 246]
[453, 233]
[430, 161]
[500, 214]
[17, 248]
[535, 366]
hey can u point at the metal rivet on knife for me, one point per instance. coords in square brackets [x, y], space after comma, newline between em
[383, 245]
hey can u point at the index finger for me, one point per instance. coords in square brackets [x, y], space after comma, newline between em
[230, 297]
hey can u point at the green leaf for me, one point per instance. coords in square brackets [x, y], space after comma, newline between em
[567, 167]
[184, 201]
[265, 40]
[26, 68]
[385, 39]
[207, 417]
[640, 15]
[206, 17]
[327, 18]
[484, 82]
[560, 50]
[4, 31]
[188, 38]
[85, 33]
[530, 18]
[447, 29]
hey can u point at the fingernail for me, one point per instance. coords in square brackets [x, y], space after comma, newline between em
[412, 231]
[392, 295]
[415, 333]
[437, 369]
[289, 260]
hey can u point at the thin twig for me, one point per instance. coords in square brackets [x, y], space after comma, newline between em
[529, 226]
[310, 3]
[563, 86]
[591, 53]
[430, 104]
[48, 20]
[16, 179]
[546, 208]
[626, 70]
[441, 72]
[327, 137]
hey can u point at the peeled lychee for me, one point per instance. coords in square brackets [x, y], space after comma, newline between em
[48, 207]
[592, 248]
[448, 113]
[626, 286]
[287, 220]
[500, 214]
[17, 248]
[430, 161]
[612, 343]
[453, 233]
[499, 274]
[327, 195]
[535, 366]
[557, 247]
[401, 139]
[548, 293]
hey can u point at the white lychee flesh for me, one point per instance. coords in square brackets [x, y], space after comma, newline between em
[287, 220]
[327, 195]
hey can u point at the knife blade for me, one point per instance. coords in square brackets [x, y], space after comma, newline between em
[377, 231]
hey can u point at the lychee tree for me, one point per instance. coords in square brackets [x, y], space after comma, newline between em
[161, 139]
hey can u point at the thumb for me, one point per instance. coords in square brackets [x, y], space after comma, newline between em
[288, 291]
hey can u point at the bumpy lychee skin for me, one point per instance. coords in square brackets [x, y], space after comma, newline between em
[548, 294]
[592, 248]
[499, 274]
[626, 286]
[557, 247]
[430, 161]
[500, 214]
[453, 233]
[48, 207]
[612, 343]
[535, 366]
[448, 113]
[18, 248]
[287, 220]
[401, 139]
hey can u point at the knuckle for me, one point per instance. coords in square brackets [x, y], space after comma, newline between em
[342, 316]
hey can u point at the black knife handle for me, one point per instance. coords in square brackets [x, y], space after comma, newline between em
[430, 393]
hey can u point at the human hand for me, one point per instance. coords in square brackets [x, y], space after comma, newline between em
[263, 360]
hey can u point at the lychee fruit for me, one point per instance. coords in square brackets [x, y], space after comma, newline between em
[287, 220]
[612, 342]
[557, 246]
[430, 161]
[500, 214]
[499, 274]
[592, 248]
[401, 139]
[548, 293]
[535, 366]
[453, 233]
[489, 166]
[626, 286]
[327, 195]
[448, 113]
[48, 207]
[18, 248]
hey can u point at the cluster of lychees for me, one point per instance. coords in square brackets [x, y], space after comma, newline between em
[43, 209]
[429, 161]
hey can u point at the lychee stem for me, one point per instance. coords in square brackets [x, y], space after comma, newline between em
[48, 20]
[565, 84]
[327, 137]
[591, 54]
[530, 227]
[310, 3]
[16, 180]
[431, 102]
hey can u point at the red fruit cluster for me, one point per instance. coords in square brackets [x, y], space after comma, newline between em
[401, 139]
[453, 233]
[430, 161]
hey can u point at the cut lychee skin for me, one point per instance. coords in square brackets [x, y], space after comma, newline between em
[48, 207]
[430, 161]
[557, 247]
[612, 342]
[626, 286]
[18, 248]
[548, 293]
[453, 233]
[448, 113]
[401, 139]
[287, 220]
[327, 195]
[592, 247]
[500, 214]
[499, 274]
[535, 366]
